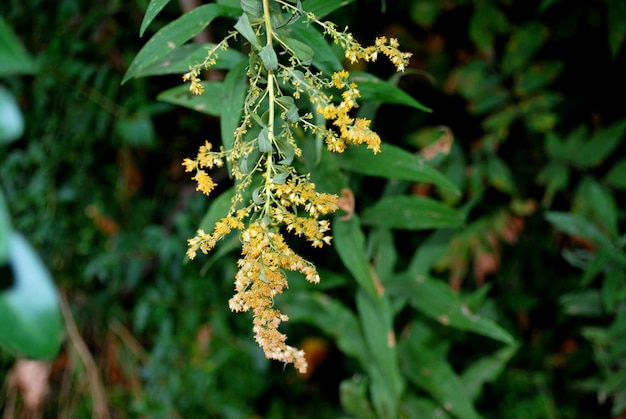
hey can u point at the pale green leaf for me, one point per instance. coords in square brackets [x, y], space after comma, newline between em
[11, 119]
[210, 102]
[269, 58]
[244, 27]
[31, 319]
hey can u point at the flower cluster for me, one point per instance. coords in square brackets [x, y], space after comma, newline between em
[271, 197]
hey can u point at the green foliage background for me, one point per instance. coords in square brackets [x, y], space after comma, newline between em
[533, 242]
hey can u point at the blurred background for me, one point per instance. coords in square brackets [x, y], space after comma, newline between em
[528, 99]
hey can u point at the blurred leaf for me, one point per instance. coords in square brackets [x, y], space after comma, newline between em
[218, 210]
[582, 303]
[537, 77]
[556, 178]
[13, 57]
[598, 204]
[486, 370]
[411, 213]
[353, 395]
[616, 178]
[210, 102]
[180, 59]
[136, 130]
[321, 8]
[424, 12]
[5, 230]
[393, 163]
[332, 317]
[432, 373]
[522, 46]
[11, 119]
[429, 252]
[486, 22]
[612, 289]
[500, 175]
[373, 89]
[615, 12]
[436, 300]
[154, 7]
[575, 225]
[422, 408]
[31, 320]
[234, 95]
[349, 242]
[591, 153]
[175, 34]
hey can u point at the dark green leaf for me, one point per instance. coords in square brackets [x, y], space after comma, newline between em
[373, 89]
[522, 46]
[575, 225]
[431, 372]
[253, 7]
[13, 57]
[615, 12]
[154, 7]
[500, 175]
[180, 59]
[582, 303]
[393, 163]
[31, 319]
[353, 395]
[235, 86]
[265, 145]
[616, 177]
[210, 102]
[349, 242]
[436, 300]
[600, 145]
[5, 230]
[325, 58]
[175, 34]
[321, 8]
[136, 130]
[486, 370]
[411, 213]
[218, 210]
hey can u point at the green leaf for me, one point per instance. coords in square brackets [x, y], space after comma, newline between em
[269, 58]
[436, 300]
[556, 178]
[486, 370]
[136, 130]
[5, 230]
[411, 213]
[325, 58]
[429, 252]
[253, 7]
[615, 12]
[244, 27]
[393, 163]
[321, 8]
[11, 120]
[599, 147]
[31, 319]
[13, 57]
[597, 203]
[582, 303]
[500, 175]
[218, 210]
[234, 88]
[422, 408]
[175, 34]
[349, 242]
[180, 59]
[616, 177]
[353, 396]
[522, 46]
[431, 372]
[154, 7]
[373, 89]
[300, 49]
[575, 225]
[210, 102]
[265, 145]
[486, 22]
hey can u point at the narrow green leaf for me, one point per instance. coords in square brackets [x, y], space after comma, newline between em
[486, 370]
[210, 102]
[599, 147]
[575, 225]
[349, 242]
[218, 210]
[393, 163]
[325, 57]
[411, 213]
[616, 177]
[244, 27]
[615, 12]
[234, 88]
[180, 59]
[436, 300]
[373, 89]
[321, 8]
[500, 175]
[598, 203]
[13, 57]
[583, 303]
[300, 49]
[5, 230]
[154, 7]
[175, 34]
[31, 319]
[431, 372]
[269, 58]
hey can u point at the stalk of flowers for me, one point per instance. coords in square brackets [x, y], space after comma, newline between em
[264, 148]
